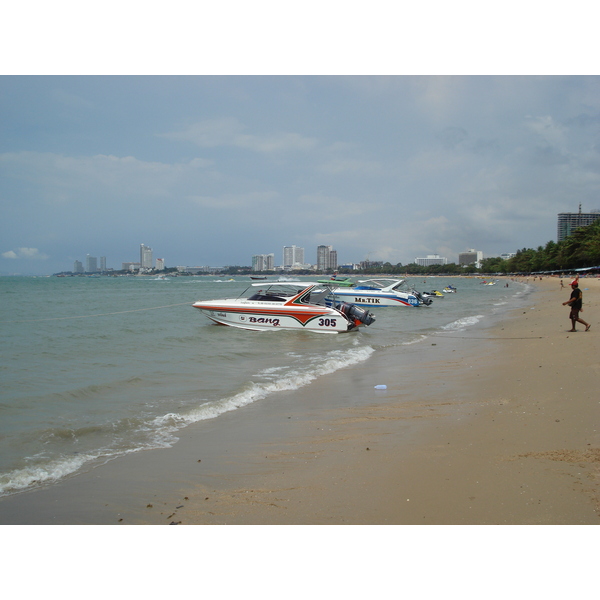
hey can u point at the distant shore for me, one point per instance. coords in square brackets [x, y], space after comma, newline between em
[494, 425]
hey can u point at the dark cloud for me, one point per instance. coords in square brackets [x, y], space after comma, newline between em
[210, 170]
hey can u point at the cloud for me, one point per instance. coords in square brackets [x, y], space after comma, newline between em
[233, 201]
[332, 207]
[230, 132]
[548, 129]
[71, 101]
[62, 179]
[26, 253]
[214, 169]
[337, 166]
[452, 137]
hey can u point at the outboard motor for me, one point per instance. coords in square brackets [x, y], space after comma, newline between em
[356, 313]
[425, 301]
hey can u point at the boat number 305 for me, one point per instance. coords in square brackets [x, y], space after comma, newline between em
[327, 322]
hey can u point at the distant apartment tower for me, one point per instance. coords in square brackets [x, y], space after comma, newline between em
[431, 259]
[91, 264]
[78, 267]
[145, 256]
[326, 258]
[160, 264]
[471, 257]
[103, 263]
[292, 255]
[263, 262]
[569, 222]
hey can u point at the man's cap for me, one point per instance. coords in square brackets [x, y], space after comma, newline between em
[574, 282]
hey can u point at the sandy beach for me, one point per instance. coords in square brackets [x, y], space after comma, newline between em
[501, 431]
[494, 425]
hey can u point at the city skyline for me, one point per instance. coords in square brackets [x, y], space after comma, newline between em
[292, 259]
[327, 260]
[212, 169]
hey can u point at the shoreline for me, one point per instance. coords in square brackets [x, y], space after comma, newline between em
[476, 447]
[473, 428]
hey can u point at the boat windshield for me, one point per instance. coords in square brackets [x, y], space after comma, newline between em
[402, 286]
[268, 297]
[284, 293]
[271, 293]
[318, 296]
[398, 285]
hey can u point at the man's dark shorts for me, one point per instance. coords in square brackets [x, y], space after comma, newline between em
[574, 313]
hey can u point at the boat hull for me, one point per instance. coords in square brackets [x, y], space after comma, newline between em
[262, 317]
[371, 298]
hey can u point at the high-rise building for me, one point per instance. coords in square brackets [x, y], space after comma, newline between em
[78, 267]
[432, 259]
[160, 264]
[292, 255]
[326, 258]
[91, 264]
[263, 262]
[103, 264]
[569, 222]
[333, 261]
[145, 256]
[470, 257]
[258, 262]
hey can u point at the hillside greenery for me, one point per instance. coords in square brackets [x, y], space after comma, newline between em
[579, 250]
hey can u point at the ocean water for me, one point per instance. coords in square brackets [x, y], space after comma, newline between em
[94, 368]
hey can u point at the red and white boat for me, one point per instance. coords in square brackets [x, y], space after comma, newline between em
[278, 305]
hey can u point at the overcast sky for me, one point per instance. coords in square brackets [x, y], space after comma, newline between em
[209, 170]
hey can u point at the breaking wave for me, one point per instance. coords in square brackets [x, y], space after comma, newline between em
[133, 435]
[462, 324]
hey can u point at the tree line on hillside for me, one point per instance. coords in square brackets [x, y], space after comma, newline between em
[579, 250]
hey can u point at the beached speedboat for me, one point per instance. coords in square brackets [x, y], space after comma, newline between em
[382, 292]
[286, 305]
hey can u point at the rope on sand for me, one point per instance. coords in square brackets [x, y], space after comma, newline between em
[469, 337]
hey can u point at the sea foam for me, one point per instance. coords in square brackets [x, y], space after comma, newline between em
[160, 432]
[292, 380]
[462, 324]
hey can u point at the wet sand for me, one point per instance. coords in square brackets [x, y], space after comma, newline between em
[494, 425]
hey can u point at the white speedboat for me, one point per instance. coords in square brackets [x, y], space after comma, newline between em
[286, 305]
[382, 292]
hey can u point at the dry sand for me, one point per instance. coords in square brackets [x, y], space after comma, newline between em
[494, 425]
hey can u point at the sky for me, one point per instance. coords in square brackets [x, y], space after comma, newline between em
[210, 169]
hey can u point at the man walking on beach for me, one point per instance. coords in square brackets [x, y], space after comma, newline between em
[576, 303]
